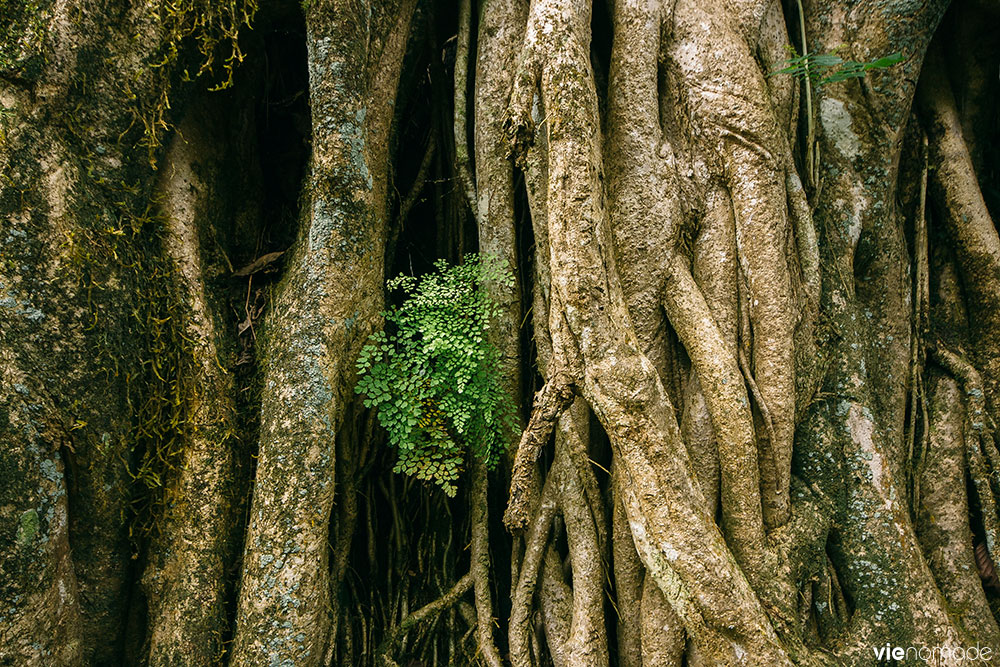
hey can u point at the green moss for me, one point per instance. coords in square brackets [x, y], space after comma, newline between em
[116, 256]
[211, 29]
[156, 373]
[23, 31]
[27, 528]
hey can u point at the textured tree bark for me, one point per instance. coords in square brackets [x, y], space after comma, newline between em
[499, 33]
[957, 194]
[185, 580]
[583, 278]
[76, 251]
[41, 619]
[327, 305]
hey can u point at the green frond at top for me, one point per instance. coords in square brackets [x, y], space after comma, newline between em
[823, 68]
[433, 376]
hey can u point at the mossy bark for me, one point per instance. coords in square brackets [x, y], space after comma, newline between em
[326, 306]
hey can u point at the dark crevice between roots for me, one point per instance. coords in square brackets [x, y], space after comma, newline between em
[264, 141]
[412, 538]
[276, 142]
[439, 224]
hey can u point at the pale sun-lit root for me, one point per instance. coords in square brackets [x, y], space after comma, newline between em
[480, 566]
[698, 434]
[646, 218]
[587, 640]
[808, 369]
[628, 573]
[535, 546]
[806, 240]
[636, 155]
[530, 567]
[726, 397]
[556, 606]
[808, 288]
[714, 268]
[578, 438]
[772, 50]
[771, 312]
[186, 580]
[660, 628]
[712, 73]
[675, 536]
[551, 402]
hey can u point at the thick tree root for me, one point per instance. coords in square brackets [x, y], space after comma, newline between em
[550, 403]
[185, 580]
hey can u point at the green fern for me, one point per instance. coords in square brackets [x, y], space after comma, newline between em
[823, 68]
[432, 376]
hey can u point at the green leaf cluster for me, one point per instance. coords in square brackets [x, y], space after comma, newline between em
[433, 377]
[822, 68]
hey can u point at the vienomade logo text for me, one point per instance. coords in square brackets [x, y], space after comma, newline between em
[935, 655]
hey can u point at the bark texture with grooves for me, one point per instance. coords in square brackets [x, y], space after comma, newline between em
[324, 309]
[185, 581]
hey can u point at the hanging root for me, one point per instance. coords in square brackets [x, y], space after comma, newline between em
[661, 629]
[725, 394]
[805, 238]
[556, 606]
[461, 107]
[406, 204]
[765, 414]
[753, 161]
[918, 352]
[518, 123]
[587, 643]
[480, 565]
[977, 434]
[352, 458]
[551, 401]
[628, 577]
[534, 550]
[185, 580]
[577, 440]
[428, 612]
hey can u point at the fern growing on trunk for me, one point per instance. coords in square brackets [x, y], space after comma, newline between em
[432, 376]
